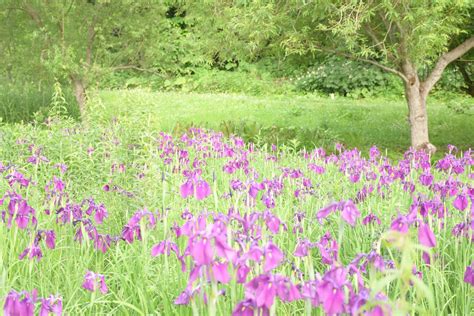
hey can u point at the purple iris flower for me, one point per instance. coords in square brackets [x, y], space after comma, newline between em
[331, 290]
[242, 272]
[184, 297]
[100, 214]
[426, 179]
[469, 274]
[52, 304]
[19, 211]
[374, 152]
[426, 236]
[248, 307]
[309, 292]
[201, 251]
[36, 156]
[20, 303]
[460, 229]
[164, 248]
[461, 202]
[264, 288]
[303, 247]
[203, 189]
[62, 167]
[94, 281]
[370, 219]
[328, 248]
[273, 257]
[17, 177]
[33, 250]
[50, 238]
[273, 222]
[325, 211]
[254, 253]
[132, 230]
[220, 272]
[350, 213]
[195, 186]
[400, 224]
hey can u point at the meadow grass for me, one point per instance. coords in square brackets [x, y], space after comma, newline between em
[27, 102]
[124, 128]
[312, 120]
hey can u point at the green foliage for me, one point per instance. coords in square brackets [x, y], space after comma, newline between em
[390, 31]
[460, 106]
[27, 102]
[451, 80]
[248, 82]
[131, 80]
[86, 39]
[225, 46]
[247, 79]
[346, 77]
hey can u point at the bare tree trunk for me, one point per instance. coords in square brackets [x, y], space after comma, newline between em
[418, 116]
[80, 92]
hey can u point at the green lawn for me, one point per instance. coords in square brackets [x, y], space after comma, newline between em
[356, 123]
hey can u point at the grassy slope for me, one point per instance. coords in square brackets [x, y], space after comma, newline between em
[358, 123]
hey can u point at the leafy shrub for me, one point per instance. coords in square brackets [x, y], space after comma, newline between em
[345, 77]
[248, 81]
[131, 80]
[461, 105]
[451, 80]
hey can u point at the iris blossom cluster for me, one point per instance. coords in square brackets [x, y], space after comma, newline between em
[23, 303]
[253, 227]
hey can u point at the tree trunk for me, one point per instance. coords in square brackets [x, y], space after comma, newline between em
[418, 116]
[80, 92]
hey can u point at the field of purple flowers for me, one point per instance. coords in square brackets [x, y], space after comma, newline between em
[117, 219]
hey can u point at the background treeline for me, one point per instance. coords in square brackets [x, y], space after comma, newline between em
[191, 46]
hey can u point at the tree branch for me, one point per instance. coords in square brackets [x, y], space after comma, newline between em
[379, 43]
[34, 15]
[444, 61]
[369, 61]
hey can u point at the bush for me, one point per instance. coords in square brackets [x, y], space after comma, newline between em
[131, 80]
[451, 80]
[347, 78]
[245, 79]
[248, 81]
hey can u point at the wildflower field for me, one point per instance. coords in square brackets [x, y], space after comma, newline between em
[113, 218]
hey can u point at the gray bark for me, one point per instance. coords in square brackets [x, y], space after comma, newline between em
[418, 116]
[79, 87]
